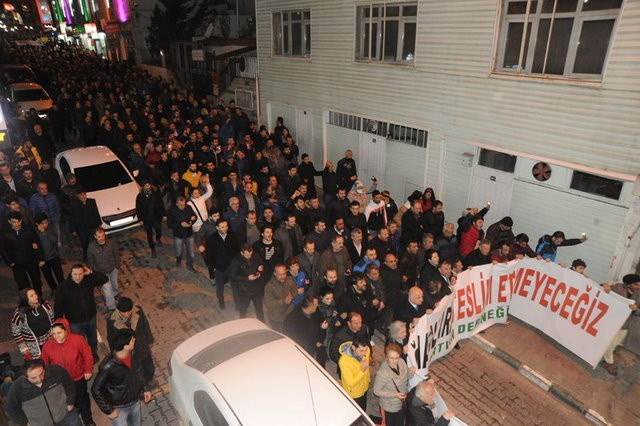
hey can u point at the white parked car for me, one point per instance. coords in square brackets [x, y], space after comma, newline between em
[103, 176]
[243, 373]
[30, 95]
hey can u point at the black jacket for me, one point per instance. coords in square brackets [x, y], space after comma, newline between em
[433, 223]
[150, 208]
[405, 312]
[76, 302]
[142, 330]
[17, 247]
[239, 272]
[84, 218]
[362, 303]
[392, 284]
[475, 258]
[303, 330]
[337, 208]
[176, 189]
[419, 413]
[411, 228]
[117, 385]
[220, 252]
[177, 216]
[344, 334]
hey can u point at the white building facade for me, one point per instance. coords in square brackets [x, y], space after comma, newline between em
[533, 105]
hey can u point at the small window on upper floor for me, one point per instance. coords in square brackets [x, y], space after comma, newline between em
[386, 32]
[596, 185]
[559, 38]
[497, 160]
[292, 33]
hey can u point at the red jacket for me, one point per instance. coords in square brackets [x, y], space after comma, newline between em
[74, 354]
[468, 240]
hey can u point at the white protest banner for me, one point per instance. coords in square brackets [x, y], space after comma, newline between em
[571, 309]
[477, 302]
[568, 307]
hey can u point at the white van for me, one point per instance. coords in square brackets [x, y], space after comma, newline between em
[30, 95]
[243, 373]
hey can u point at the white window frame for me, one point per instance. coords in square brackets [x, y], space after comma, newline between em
[362, 21]
[278, 29]
[532, 19]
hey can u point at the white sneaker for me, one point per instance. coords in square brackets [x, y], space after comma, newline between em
[372, 343]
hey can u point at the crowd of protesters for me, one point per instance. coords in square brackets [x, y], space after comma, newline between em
[327, 268]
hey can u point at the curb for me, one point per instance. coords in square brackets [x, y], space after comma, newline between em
[560, 393]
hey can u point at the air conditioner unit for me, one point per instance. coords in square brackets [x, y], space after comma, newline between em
[542, 173]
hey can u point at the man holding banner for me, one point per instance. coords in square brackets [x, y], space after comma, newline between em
[630, 289]
[565, 305]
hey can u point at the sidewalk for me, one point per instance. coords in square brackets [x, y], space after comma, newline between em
[600, 397]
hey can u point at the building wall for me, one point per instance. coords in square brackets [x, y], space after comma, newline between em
[451, 91]
[450, 88]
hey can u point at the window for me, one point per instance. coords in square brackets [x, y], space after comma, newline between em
[386, 32]
[102, 176]
[292, 33]
[208, 411]
[497, 160]
[390, 131]
[567, 38]
[596, 185]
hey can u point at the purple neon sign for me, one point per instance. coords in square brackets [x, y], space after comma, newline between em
[122, 10]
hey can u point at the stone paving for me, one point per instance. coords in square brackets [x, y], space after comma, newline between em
[476, 386]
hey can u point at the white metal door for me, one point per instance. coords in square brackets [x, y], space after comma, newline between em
[304, 133]
[491, 185]
[371, 158]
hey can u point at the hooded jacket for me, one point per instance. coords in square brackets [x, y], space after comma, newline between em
[74, 354]
[354, 381]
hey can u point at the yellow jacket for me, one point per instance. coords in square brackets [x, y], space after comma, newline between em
[194, 180]
[354, 381]
[34, 151]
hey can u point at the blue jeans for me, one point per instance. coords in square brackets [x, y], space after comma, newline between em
[188, 242]
[71, 419]
[89, 330]
[110, 289]
[128, 416]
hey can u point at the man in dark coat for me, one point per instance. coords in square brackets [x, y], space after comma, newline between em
[120, 381]
[411, 224]
[75, 302]
[346, 171]
[411, 307]
[479, 256]
[151, 212]
[84, 218]
[421, 403]
[221, 248]
[306, 326]
[132, 317]
[500, 231]
[22, 253]
[245, 272]
[433, 220]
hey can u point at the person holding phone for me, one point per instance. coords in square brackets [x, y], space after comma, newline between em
[180, 220]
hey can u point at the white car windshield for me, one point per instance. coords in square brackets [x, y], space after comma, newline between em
[102, 176]
[30, 95]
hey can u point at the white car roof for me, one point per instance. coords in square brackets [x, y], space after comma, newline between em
[25, 86]
[82, 157]
[263, 375]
